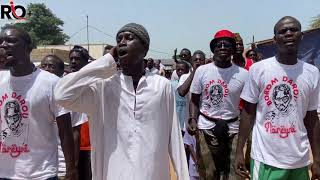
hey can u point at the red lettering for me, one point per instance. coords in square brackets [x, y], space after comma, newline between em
[22, 102]
[24, 108]
[4, 97]
[282, 131]
[285, 78]
[25, 115]
[294, 86]
[14, 150]
[269, 86]
[14, 95]
[269, 103]
[273, 81]
[18, 98]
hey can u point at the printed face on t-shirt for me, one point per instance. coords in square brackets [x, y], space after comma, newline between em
[216, 94]
[282, 97]
[13, 115]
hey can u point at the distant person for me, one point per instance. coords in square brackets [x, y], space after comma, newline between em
[198, 59]
[191, 145]
[55, 65]
[281, 101]
[251, 57]
[132, 112]
[78, 58]
[182, 103]
[185, 55]
[29, 115]
[238, 58]
[107, 49]
[214, 112]
[159, 66]
[150, 67]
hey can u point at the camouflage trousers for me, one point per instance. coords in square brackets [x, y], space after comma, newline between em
[215, 160]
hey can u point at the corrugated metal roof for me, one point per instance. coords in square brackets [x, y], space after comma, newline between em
[267, 41]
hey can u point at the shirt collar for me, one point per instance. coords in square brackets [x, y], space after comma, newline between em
[127, 81]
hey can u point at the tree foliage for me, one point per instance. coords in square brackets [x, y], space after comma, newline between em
[43, 26]
[315, 23]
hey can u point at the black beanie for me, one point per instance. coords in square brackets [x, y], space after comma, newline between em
[139, 31]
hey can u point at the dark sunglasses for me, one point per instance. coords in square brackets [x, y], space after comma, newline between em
[225, 44]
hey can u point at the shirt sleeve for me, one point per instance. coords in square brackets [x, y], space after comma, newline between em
[55, 108]
[314, 96]
[174, 76]
[75, 91]
[196, 86]
[251, 91]
[183, 79]
[176, 146]
[78, 118]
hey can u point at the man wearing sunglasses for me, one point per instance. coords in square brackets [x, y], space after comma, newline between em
[216, 89]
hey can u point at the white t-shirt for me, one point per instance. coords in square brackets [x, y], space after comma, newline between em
[182, 79]
[191, 140]
[28, 143]
[153, 70]
[283, 94]
[76, 120]
[220, 90]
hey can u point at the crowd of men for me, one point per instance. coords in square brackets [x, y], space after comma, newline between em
[122, 117]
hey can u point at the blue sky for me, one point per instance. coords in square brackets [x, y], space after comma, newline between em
[177, 23]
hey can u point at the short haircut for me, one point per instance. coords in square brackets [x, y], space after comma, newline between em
[108, 47]
[282, 19]
[59, 61]
[247, 53]
[199, 52]
[185, 49]
[82, 51]
[24, 35]
[183, 63]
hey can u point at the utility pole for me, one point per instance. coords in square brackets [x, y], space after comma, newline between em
[88, 33]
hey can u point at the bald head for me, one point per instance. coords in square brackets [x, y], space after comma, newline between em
[286, 19]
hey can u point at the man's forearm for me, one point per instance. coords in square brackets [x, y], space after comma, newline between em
[246, 123]
[67, 142]
[73, 90]
[315, 142]
[76, 139]
[194, 108]
[312, 125]
[185, 87]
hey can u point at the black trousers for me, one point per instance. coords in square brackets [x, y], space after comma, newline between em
[84, 166]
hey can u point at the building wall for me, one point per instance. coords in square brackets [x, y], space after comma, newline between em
[95, 50]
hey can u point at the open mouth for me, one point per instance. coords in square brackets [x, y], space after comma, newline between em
[5, 57]
[122, 52]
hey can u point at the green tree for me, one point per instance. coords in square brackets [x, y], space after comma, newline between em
[315, 23]
[43, 26]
